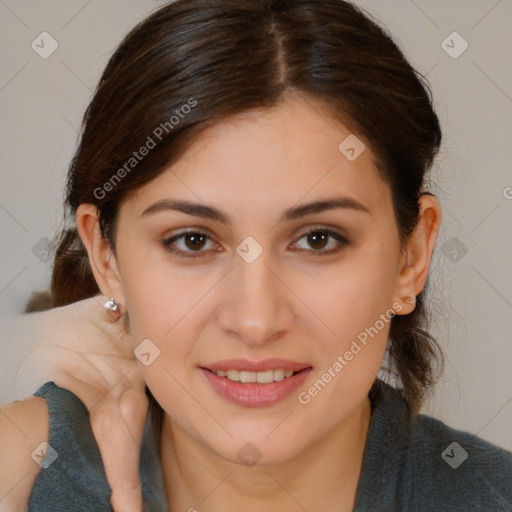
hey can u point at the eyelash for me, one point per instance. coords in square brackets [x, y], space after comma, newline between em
[167, 243]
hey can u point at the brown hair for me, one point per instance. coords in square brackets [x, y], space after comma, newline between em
[192, 63]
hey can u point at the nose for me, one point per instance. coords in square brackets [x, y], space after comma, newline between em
[257, 309]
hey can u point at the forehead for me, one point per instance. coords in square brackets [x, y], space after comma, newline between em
[283, 155]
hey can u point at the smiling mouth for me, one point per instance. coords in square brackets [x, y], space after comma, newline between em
[237, 381]
[248, 377]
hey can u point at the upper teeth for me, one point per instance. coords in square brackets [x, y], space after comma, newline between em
[260, 377]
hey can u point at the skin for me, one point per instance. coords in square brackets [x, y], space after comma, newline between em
[288, 303]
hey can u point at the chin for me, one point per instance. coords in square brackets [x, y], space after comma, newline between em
[258, 449]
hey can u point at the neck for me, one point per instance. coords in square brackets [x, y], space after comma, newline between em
[325, 475]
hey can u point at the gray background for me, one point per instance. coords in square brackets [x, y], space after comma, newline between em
[42, 101]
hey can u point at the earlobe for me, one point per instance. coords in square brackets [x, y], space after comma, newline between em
[101, 257]
[417, 253]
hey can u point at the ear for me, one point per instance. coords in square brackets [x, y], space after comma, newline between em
[101, 256]
[416, 255]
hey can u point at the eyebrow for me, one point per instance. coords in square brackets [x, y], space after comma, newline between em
[293, 213]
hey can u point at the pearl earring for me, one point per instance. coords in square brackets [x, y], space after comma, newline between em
[112, 305]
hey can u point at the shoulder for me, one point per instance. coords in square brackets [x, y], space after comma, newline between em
[72, 476]
[24, 435]
[49, 457]
[463, 469]
[420, 463]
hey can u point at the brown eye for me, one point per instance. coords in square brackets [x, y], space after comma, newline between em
[193, 243]
[318, 240]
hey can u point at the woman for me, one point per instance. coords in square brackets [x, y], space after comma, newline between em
[287, 144]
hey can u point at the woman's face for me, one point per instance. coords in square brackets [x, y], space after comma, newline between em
[252, 290]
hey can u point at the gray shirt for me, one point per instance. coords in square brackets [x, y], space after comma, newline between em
[411, 463]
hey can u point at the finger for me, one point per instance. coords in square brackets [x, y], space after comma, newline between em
[118, 425]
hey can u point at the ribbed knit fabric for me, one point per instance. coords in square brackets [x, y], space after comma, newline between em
[409, 465]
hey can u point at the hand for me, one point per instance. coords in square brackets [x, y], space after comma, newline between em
[87, 350]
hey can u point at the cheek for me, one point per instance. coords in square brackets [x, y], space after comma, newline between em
[355, 303]
[163, 330]
[158, 294]
[355, 294]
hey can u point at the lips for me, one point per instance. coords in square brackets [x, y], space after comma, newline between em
[255, 383]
